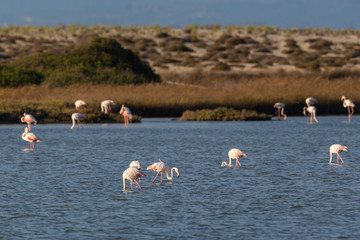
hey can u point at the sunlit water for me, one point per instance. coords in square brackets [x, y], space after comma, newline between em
[70, 187]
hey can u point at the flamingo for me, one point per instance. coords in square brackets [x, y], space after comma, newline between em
[106, 106]
[29, 119]
[79, 104]
[30, 137]
[347, 103]
[310, 101]
[125, 111]
[76, 117]
[280, 110]
[136, 164]
[131, 174]
[336, 148]
[160, 167]
[234, 154]
[311, 112]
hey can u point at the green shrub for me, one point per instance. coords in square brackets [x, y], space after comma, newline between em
[14, 77]
[102, 61]
[223, 114]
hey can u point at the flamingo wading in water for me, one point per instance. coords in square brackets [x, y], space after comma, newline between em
[336, 148]
[30, 137]
[310, 101]
[106, 106]
[76, 118]
[311, 112]
[79, 104]
[132, 173]
[29, 119]
[160, 167]
[347, 103]
[125, 111]
[234, 154]
[280, 110]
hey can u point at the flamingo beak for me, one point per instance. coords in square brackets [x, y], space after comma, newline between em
[150, 167]
[244, 155]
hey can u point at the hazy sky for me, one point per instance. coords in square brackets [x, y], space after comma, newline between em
[337, 14]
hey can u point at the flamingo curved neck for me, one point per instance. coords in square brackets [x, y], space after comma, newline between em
[73, 125]
[171, 172]
[224, 164]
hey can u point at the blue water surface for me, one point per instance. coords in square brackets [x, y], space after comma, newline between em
[70, 187]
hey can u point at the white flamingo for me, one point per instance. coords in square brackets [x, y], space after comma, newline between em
[29, 119]
[336, 148]
[132, 173]
[280, 110]
[30, 137]
[125, 111]
[310, 101]
[160, 167]
[106, 106]
[76, 118]
[136, 164]
[347, 103]
[79, 104]
[311, 112]
[234, 153]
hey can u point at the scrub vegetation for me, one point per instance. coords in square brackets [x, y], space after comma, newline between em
[164, 71]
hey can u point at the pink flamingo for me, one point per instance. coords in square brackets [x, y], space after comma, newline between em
[160, 167]
[136, 164]
[30, 137]
[280, 110]
[234, 154]
[347, 103]
[310, 101]
[336, 148]
[76, 117]
[311, 113]
[125, 111]
[106, 106]
[79, 104]
[29, 119]
[132, 173]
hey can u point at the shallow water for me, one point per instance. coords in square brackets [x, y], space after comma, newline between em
[70, 187]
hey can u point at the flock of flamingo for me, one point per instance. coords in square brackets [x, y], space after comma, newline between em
[133, 173]
[310, 108]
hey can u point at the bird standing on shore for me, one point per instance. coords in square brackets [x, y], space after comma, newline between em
[280, 110]
[79, 104]
[30, 137]
[29, 119]
[347, 103]
[76, 118]
[106, 106]
[234, 153]
[125, 111]
[336, 148]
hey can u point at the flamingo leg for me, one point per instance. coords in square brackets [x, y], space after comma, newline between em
[340, 158]
[137, 183]
[155, 177]
[237, 162]
[330, 161]
[131, 184]
[29, 126]
[161, 178]
[337, 158]
[229, 161]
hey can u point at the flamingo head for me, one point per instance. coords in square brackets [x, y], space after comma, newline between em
[344, 148]
[343, 98]
[243, 155]
[26, 130]
[177, 172]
